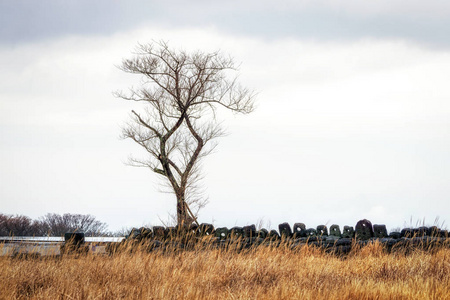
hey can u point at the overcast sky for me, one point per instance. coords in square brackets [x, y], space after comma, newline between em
[352, 119]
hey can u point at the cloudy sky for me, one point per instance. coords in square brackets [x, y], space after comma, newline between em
[352, 119]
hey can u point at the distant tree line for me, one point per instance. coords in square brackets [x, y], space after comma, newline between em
[51, 225]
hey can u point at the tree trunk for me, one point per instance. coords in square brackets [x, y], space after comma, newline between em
[182, 216]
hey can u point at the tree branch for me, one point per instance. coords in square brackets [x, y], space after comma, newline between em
[146, 125]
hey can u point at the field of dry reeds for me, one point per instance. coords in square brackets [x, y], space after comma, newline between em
[206, 273]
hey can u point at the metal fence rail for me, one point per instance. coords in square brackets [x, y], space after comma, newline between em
[55, 239]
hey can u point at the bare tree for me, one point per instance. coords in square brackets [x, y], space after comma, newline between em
[182, 92]
[19, 225]
[57, 225]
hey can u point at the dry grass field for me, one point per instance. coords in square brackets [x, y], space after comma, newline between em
[262, 273]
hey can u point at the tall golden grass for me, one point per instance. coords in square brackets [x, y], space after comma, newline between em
[207, 273]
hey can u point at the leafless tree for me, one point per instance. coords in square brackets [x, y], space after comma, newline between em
[181, 92]
[57, 225]
[19, 225]
[50, 224]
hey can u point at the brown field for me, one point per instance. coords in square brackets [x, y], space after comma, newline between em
[262, 273]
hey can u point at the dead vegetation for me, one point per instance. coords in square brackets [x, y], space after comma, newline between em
[207, 273]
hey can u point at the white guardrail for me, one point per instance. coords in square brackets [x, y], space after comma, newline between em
[48, 246]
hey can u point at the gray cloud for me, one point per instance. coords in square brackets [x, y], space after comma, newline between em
[343, 130]
[25, 21]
